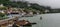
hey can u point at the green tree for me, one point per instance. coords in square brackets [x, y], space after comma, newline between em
[3, 8]
[4, 1]
[2, 15]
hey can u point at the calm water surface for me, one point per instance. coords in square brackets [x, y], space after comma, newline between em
[48, 20]
[34, 19]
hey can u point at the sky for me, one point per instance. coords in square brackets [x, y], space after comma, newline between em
[51, 3]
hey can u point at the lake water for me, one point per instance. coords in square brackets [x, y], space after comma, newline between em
[48, 20]
[35, 19]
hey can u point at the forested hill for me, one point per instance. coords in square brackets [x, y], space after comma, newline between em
[21, 4]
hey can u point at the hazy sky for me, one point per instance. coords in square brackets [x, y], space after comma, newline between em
[52, 3]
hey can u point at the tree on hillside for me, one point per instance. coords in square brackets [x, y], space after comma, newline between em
[1, 14]
[35, 6]
[4, 1]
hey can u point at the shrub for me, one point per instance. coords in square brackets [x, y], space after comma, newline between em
[2, 15]
[3, 8]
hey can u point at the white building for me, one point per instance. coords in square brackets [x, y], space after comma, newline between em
[1, 5]
[46, 11]
[2, 11]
